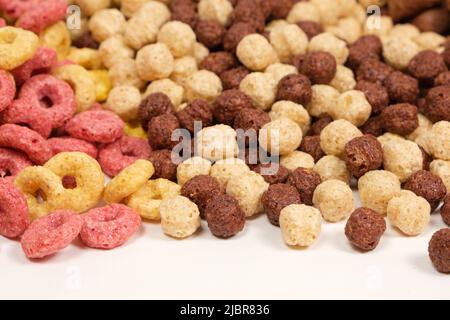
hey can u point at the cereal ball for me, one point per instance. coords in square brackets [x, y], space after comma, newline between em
[160, 130]
[319, 67]
[216, 10]
[231, 79]
[441, 168]
[272, 172]
[198, 110]
[180, 217]
[376, 188]
[293, 111]
[311, 145]
[288, 41]
[409, 213]
[335, 136]
[318, 125]
[210, 33]
[106, 23]
[124, 73]
[305, 181]
[124, 101]
[376, 95]
[353, 107]
[249, 12]
[310, 28]
[203, 84]
[401, 87]
[297, 159]
[300, 224]
[281, 136]
[248, 189]
[323, 100]
[428, 186]
[439, 140]
[224, 216]
[224, 170]
[348, 29]
[373, 126]
[154, 105]
[445, 210]
[217, 142]
[174, 91]
[279, 70]
[200, 189]
[400, 118]
[235, 34]
[438, 104]
[165, 168]
[218, 62]
[184, 11]
[295, 88]
[113, 50]
[366, 47]
[183, 67]
[178, 37]
[276, 198]
[200, 52]
[373, 70]
[251, 119]
[442, 79]
[191, 168]
[426, 65]
[365, 228]
[303, 11]
[329, 43]
[255, 52]
[343, 80]
[398, 51]
[363, 154]
[89, 7]
[154, 62]
[332, 168]
[439, 250]
[261, 88]
[334, 199]
[229, 103]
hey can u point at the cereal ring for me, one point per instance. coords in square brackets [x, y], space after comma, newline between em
[57, 37]
[102, 84]
[50, 234]
[14, 218]
[69, 144]
[2, 23]
[42, 62]
[38, 17]
[96, 126]
[120, 154]
[16, 8]
[12, 162]
[109, 227]
[16, 47]
[7, 89]
[128, 181]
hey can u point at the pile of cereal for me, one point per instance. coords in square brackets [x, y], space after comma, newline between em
[222, 110]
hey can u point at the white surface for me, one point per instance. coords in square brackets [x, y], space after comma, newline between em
[254, 265]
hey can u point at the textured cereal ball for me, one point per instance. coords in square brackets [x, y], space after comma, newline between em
[363, 154]
[261, 88]
[428, 186]
[437, 105]
[329, 43]
[375, 93]
[197, 110]
[373, 70]
[335, 136]
[295, 88]
[235, 34]
[366, 47]
[279, 70]
[398, 51]
[165, 168]
[426, 65]
[303, 11]
[89, 7]
[353, 107]
[124, 73]
[288, 41]
[442, 79]
[217, 142]
[281, 136]
[210, 33]
[348, 29]
[364, 228]
[154, 62]
[334, 199]
[255, 52]
[154, 105]
[344, 79]
[376, 188]
[224, 216]
[445, 210]
[319, 67]
[224, 170]
[114, 49]
[231, 79]
[216, 10]
[300, 225]
[439, 250]
[200, 189]
[191, 168]
[409, 213]
[124, 101]
[401, 87]
[276, 198]
[332, 168]
[311, 145]
[323, 100]
[229, 103]
[106, 23]
[203, 84]
[441, 168]
[174, 91]
[400, 118]
[183, 67]
[319, 125]
[272, 172]
[200, 52]
[180, 218]
[251, 119]
[293, 111]
[306, 182]
[297, 159]
[178, 37]
[219, 62]
[439, 140]
[160, 131]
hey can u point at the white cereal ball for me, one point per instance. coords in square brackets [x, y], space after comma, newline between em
[323, 100]
[439, 140]
[89, 7]
[203, 84]
[303, 11]
[404, 30]
[344, 79]
[280, 137]
[352, 106]
[200, 52]
[155, 11]
[224, 170]
[330, 43]
[140, 32]
[398, 51]
[376, 188]
[180, 217]
[183, 68]
[420, 134]
[114, 49]
[248, 189]
[334, 199]
[379, 26]
[275, 24]
[178, 37]
[297, 159]
[332, 168]
[300, 225]
[124, 101]
[348, 29]
[441, 168]
[215, 10]
[293, 111]
[124, 73]
[261, 88]
[255, 52]
[154, 62]
[106, 23]
[429, 41]
[279, 70]
[174, 91]
[329, 11]
[191, 168]
[409, 213]
[217, 142]
[288, 41]
[366, 3]
[335, 136]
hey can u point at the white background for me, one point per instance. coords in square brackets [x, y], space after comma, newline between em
[254, 265]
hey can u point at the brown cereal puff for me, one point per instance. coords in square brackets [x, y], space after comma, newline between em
[305, 181]
[427, 185]
[373, 126]
[310, 28]
[200, 189]
[364, 228]
[311, 145]
[366, 47]
[363, 154]
[373, 70]
[399, 9]
[251, 119]
[219, 62]
[198, 110]
[228, 104]
[224, 216]
[437, 106]
[210, 33]
[426, 65]
[427, 159]
[160, 130]
[445, 210]
[442, 79]
[86, 40]
[319, 67]
[276, 198]
[295, 88]
[317, 126]
[231, 79]
[376, 95]
[401, 87]
[235, 34]
[249, 12]
[165, 168]
[434, 20]
[155, 104]
[400, 118]
[272, 175]
[280, 8]
[297, 61]
[439, 250]
[184, 11]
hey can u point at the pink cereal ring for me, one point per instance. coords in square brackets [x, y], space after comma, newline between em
[38, 17]
[16, 8]
[26, 140]
[116, 156]
[7, 89]
[69, 144]
[109, 227]
[50, 234]
[2, 23]
[14, 218]
[96, 126]
[12, 162]
[42, 62]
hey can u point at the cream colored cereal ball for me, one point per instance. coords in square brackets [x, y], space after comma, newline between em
[389, 137]
[352, 106]
[89, 7]
[344, 79]
[106, 23]
[174, 91]
[300, 225]
[334, 199]
[297, 159]
[155, 11]
[224, 170]
[346, 7]
[217, 142]
[409, 213]
[215, 10]
[398, 51]
[203, 84]
[248, 189]
[439, 140]
[281, 136]
[303, 11]
[124, 101]
[441, 168]
[191, 168]
[140, 31]
[329, 11]
[367, 3]
[154, 62]
[274, 24]
[420, 134]
[114, 49]
[180, 217]
[200, 52]
[429, 41]
[380, 26]
[261, 87]
[183, 68]
[288, 41]
[335, 136]
[376, 188]
[402, 157]
[255, 52]
[279, 70]
[404, 30]
[293, 111]
[359, 13]
[323, 100]
[348, 29]
[332, 168]
[178, 37]
[124, 73]
[130, 7]
[330, 43]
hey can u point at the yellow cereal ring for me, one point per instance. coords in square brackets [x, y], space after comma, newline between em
[134, 129]
[57, 37]
[102, 84]
[16, 47]
[85, 57]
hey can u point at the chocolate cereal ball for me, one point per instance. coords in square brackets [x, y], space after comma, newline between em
[229, 104]
[400, 118]
[439, 250]
[198, 110]
[86, 40]
[373, 70]
[319, 125]
[184, 11]
[311, 145]
[437, 106]
[445, 210]
[251, 119]
[276, 198]
[295, 88]
[426, 65]
[235, 34]
[442, 79]
[249, 12]
[224, 216]
[209, 33]
[160, 130]
[231, 79]
[401, 87]
[365, 48]
[272, 173]
[218, 62]
[373, 126]
[165, 168]
[200, 189]
[376, 95]
[427, 185]
[310, 28]
[363, 154]
[154, 105]
[319, 67]
[306, 182]
[364, 228]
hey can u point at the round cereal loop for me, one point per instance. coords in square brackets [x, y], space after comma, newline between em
[182, 69]
[217, 142]
[281, 136]
[124, 101]
[56, 37]
[114, 49]
[332, 168]
[255, 52]
[12, 162]
[154, 62]
[69, 144]
[224, 216]
[334, 199]
[300, 225]
[303, 11]
[353, 107]
[146, 200]
[203, 84]
[50, 234]
[215, 10]
[441, 169]
[128, 181]
[288, 41]
[17, 46]
[364, 229]
[329, 43]
[102, 84]
[295, 112]
[399, 51]
[261, 88]
[335, 136]
[323, 100]
[106, 23]
[297, 159]
[279, 70]
[42, 61]
[191, 168]
[7, 89]
[109, 227]
[180, 217]
[224, 170]
[438, 250]
[439, 140]
[14, 219]
[124, 73]
[178, 37]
